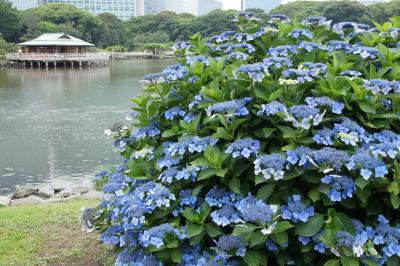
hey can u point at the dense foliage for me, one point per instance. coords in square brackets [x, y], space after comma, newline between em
[274, 145]
[107, 30]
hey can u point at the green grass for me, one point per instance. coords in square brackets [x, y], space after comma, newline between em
[49, 235]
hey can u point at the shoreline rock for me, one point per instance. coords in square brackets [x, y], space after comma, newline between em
[33, 195]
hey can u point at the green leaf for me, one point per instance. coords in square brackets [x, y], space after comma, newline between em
[280, 238]
[234, 184]
[395, 200]
[367, 106]
[257, 238]
[176, 255]
[252, 258]
[314, 194]
[349, 261]
[265, 191]
[195, 229]
[213, 230]
[282, 227]
[311, 227]
[361, 182]
[243, 229]
[206, 173]
[332, 262]
[191, 215]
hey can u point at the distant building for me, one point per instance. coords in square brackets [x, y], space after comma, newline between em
[194, 7]
[123, 9]
[266, 5]
[26, 4]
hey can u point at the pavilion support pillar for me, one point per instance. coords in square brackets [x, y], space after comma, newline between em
[46, 64]
[80, 63]
[38, 62]
[65, 63]
[55, 64]
[97, 63]
[24, 63]
[72, 63]
[31, 64]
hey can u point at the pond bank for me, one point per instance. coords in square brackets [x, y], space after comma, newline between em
[49, 235]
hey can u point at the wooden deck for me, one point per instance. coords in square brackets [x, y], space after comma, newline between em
[71, 58]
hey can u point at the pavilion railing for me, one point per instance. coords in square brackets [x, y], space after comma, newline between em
[83, 57]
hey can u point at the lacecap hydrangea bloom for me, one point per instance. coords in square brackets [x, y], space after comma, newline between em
[277, 144]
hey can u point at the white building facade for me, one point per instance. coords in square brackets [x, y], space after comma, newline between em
[194, 7]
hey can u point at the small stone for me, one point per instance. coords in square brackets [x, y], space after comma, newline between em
[5, 201]
[63, 194]
[23, 192]
[28, 200]
[58, 189]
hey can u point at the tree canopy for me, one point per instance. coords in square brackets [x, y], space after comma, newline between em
[106, 29]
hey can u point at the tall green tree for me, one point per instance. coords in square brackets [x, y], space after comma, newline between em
[9, 21]
[382, 11]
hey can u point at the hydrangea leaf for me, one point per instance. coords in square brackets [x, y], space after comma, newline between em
[311, 227]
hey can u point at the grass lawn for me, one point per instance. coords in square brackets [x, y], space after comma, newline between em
[49, 235]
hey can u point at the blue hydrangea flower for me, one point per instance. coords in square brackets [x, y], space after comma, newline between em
[230, 108]
[240, 37]
[173, 112]
[306, 114]
[283, 50]
[239, 56]
[190, 117]
[324, 136]
[271, 246]
[182, 46]
[150, 130]
[190, 60]
[344, 239]
[175, 173]
[136, 258]
[271, 108]
[382, 86]
[243, 148]
[174, 73]
[116, 183]
[310, 46]
[155, 235]
[271, 166]
[366, 52]
[316, 21]
[304, 240]
[299, 75]
[256, 71]
[255, 210]
[340, 187]
[303, 156]
[337, 107]
[351, 73]
[339, 45]
[316, 68]
[343, 28]
[154, 195]
[191, 145]
[350, 132]
[218, 197]
[228, 246]
[111, 235]
[297, 33]
[277, 62]
[247, 16]
[367, 163]
[387, 149]
[331, 157]
[226, 215]
[386, 136]
[198, 99]
[152, 77]
[102, 175]
[296, 210]
[279, 18]
[394, 32]
[319, 245]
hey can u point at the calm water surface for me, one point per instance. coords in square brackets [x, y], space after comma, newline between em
[52, 121]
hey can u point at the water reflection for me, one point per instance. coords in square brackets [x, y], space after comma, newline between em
[52, 121]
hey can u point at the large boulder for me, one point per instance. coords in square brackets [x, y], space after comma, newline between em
[28, 200]
[5, 201]
[23, 192]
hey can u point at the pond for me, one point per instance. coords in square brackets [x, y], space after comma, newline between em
[52, 122]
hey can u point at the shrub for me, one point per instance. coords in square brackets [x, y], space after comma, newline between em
[269, 146]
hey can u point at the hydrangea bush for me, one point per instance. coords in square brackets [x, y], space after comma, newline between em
[273, 145]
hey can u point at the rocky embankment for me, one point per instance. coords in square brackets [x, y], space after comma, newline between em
[35, 195]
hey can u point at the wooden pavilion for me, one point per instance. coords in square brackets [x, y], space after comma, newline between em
[57, 48]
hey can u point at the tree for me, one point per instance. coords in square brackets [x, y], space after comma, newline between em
[156, 48]
[10, 21]
[112, 29]
[349, 10]
[382, 11]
